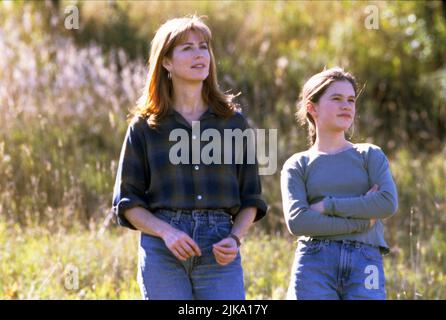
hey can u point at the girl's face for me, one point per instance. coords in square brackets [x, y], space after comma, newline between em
[190, 59]
[335, 110]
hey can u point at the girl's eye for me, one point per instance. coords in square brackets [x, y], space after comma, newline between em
[186, 48]
[352, 100]
[204, 47]
[336, 98]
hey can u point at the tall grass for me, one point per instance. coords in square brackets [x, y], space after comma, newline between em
[63, 119]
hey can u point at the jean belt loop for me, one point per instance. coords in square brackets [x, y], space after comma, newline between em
[357, 245]
[211, 217]
[178, 215]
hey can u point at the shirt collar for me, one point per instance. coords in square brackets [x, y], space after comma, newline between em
[207, 113]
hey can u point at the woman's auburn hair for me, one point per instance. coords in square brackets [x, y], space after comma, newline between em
[157, 97]
[313, 89]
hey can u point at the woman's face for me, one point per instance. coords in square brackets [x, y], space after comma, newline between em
[190, 59]
[335, 110]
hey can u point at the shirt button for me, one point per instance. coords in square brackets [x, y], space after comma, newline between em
[196, 167]
[194, 137]
[199, 197]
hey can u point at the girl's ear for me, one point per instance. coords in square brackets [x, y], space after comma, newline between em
[311, 109]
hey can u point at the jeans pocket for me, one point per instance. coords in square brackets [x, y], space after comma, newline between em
[222, 229]
[151, 243]
[309, 247]
[371, 253]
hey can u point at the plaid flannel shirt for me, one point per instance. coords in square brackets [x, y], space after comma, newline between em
[146, 177]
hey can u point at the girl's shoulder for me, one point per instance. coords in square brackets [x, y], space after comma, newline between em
[369, 150]
[372, 155]
[301, 160]
[298, 161]
[366, 147]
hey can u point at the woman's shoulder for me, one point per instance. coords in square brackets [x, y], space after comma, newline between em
[140, 124]
[239, 119]
[136, 121]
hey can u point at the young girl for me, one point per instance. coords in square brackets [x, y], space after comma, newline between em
[191, 214]
[335, 195]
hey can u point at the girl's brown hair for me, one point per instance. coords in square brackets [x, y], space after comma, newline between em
[157, 96]
[313, 89]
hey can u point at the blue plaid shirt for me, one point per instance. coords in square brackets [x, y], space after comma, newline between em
[146, 177]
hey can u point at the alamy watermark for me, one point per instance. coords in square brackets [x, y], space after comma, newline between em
[72, 19]
[234, 146]
[372, 280]
[371, 21]
[71, 277]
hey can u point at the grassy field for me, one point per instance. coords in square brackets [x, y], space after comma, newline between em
[37, 264]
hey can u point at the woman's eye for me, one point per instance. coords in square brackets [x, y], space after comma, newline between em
[186, 48]
[204, 47]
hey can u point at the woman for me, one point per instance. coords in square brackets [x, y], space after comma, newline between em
[191, 215]
[335, 195]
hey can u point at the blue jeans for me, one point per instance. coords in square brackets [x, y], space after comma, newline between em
[336, 270]
[161, 276]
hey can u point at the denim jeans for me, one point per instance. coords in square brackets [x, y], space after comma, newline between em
[161, 276]
[336, 270]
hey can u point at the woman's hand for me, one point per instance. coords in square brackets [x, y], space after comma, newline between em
[225, 251]
[180, 244]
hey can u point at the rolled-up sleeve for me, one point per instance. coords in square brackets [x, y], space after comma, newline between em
[132, 176]
[249, 179]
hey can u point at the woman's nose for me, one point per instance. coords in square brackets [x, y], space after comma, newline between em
[198, 53]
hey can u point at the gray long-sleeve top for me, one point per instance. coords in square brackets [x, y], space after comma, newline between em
[341, 180]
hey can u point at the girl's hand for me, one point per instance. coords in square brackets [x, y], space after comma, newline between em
[180, 244]
[225, 251]
[319, 207]
[373, 189]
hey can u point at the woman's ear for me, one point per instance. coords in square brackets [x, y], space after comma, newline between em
[167, 64]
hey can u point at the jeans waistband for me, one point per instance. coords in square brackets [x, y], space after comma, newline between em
[353, 243]
[196, 214]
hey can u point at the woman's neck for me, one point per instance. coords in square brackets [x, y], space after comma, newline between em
[188, 99]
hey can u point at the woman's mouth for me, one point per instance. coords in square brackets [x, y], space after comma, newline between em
[198, 66]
